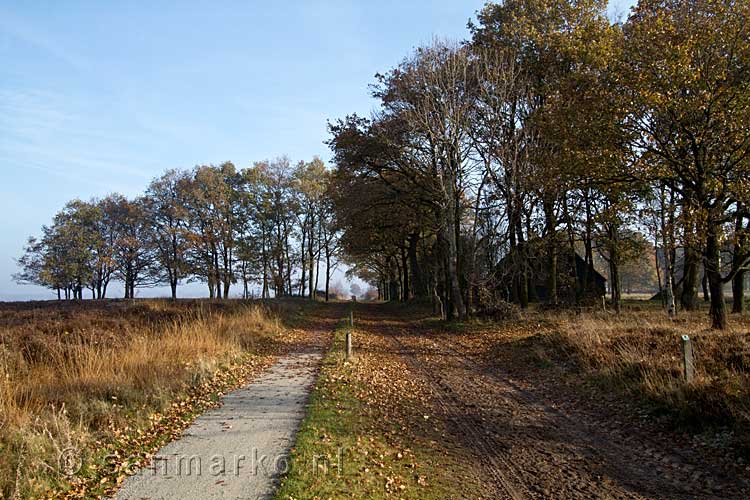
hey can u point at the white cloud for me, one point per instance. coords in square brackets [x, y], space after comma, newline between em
[16, 27]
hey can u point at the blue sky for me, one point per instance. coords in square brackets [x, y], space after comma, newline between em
[100, 97]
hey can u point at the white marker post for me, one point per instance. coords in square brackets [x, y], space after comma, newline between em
[348, 345]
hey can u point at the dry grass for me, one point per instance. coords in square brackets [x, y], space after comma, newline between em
[640, 352]
[636, 355]
[70, 374]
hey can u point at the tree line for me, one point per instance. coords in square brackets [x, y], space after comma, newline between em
[551, 140]
[270, 225]
[552, 133]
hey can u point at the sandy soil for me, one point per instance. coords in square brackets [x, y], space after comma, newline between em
[531, 437]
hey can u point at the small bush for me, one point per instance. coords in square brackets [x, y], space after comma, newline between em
[493, 306]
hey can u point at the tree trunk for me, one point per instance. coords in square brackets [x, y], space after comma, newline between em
[671, 239]
[738, 293]
[245, 281]
[303, 262]
[690, 270]
[417, 280]
[457, 301]
[523, 268]
[614, 274]
[523, 277]
[288, 262]
[740, 256]
[328, 268]
[658, 274]
[392, 289]
[668, 261]
[311, 259]
[451, 246]
[317, 276]
[216, 271]
[405, 280]
[588, 244]
[227, 271]
[513, 259]
[549, 218]
[718, 310]
[264, 264]
[437, 304]
[328, 279]
[669, 297]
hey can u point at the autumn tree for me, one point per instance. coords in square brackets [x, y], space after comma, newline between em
[422, 141]
[310, 181]
[212, 200]
[544, 123]
[686, 74]
[167, 211]
[382, 218]
[132, 252]
[65, 257]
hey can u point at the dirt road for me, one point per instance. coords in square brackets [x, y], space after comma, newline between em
[532, 438]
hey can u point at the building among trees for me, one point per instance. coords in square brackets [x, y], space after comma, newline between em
[576, 280]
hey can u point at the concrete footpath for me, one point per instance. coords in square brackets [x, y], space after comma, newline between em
[239, 450]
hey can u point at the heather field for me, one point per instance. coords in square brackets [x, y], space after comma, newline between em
[117, 375]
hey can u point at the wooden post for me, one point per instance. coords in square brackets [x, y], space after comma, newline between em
[351, 318]
[604, 303]
[348, 345]
[687, 358]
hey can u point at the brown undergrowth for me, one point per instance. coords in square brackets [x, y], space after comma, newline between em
[88, 390]
[640, 352]
[636, 354]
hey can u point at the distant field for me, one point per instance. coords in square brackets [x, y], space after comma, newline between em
[638, 296]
